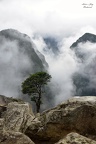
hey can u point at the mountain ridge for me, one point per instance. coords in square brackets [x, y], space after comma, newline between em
[18, 59]
[84, 78]
[84, 38]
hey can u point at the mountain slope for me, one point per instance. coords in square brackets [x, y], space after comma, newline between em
[85, 78]
[24, 45]
[17, 60]
[85, 38]
[52, 44]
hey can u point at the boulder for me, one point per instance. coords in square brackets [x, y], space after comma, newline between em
[1, 124]
[14, 138]
[4, 101]
[74, 138]
[58, 125]
[14, 113]
[18, 117]
[77, 114]
[15, 116]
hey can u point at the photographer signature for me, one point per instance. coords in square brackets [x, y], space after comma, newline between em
[87, 5]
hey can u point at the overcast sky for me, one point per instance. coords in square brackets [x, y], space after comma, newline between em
[65, 19]
[48, 17]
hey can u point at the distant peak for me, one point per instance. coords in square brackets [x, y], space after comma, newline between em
[14, 33]
[88, 34]
[85, 38]
[10, 31]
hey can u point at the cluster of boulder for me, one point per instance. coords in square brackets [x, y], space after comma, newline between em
[71, 122]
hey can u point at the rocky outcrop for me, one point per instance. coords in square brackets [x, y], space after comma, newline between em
[16, 116]
[73, 121]
[14, 138]
[74, 115]
[74, 138]
[4, 101]
[1, 124]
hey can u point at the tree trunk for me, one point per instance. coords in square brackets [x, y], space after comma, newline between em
[38, 107]
[38, 103]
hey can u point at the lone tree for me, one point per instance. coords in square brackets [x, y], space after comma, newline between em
[34, 87]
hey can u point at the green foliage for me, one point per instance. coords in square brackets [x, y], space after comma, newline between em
[33, 86]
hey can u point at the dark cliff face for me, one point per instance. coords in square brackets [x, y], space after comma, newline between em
[84, 79]
[52, 44]
[18, 59]
[25, 46]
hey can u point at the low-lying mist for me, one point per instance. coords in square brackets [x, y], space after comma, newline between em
[12, 66]
[66, 64]
[61, 66]
[86, 74]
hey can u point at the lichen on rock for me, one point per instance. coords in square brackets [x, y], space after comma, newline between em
[74, 138]
[18, 117]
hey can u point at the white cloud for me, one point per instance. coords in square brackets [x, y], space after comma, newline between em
[53, 17]
[61, 68]
[12, 65]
